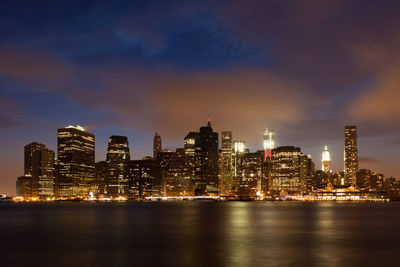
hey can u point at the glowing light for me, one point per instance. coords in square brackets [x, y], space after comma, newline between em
[77, 127]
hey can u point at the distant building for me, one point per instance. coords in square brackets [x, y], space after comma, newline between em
[251, 175]
[350, 154]
[24, 186]
[157, 146]
[226, 164]
[39, 165]
[239, 150]
[176, 173]
[269, 143]
[145, 179]
[289, 170]
[118, 158]
[99, 185]
[202, 150]
[326, 160]
[76, 161]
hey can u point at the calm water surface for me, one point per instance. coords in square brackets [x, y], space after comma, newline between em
[200, 234]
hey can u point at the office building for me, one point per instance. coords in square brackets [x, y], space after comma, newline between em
[288, 172]
[156, 145]
[326, 160]
[39, 165]
[75, 162]
[145, 179]
[226, 163]
[202, 150]
[350, 154]
[118, 158]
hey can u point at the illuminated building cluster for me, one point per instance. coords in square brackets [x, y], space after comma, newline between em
[198, 170]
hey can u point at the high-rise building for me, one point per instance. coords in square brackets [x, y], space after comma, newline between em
[288, 170]
[202, 149]
[226, 168]
[251, 175]
[350, 154]
[156, 145]
[145, 179]
[239, 149]
[176, 172]
[326, 160]
[76, 161]
[23, 185]
[39, 165]
[118, 158]
[269, 143]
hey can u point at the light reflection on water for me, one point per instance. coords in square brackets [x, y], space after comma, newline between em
[199, 234]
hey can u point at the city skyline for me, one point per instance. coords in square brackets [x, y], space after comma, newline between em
[243, 145]
[136, 68]
[211, 167]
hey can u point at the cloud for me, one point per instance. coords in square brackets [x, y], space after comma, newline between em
[32, 65]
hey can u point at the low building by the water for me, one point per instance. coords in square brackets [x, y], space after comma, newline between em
[331, 192]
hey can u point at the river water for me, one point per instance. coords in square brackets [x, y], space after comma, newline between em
[200, 234]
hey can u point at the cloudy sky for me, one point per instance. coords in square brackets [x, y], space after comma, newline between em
[304, 68]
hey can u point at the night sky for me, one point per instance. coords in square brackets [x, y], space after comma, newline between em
[303, 68]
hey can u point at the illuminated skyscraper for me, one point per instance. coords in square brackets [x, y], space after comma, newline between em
[226, 172]
[39, 165]
[239, 149]
[118, 157]
[350, 154]
[202, 150]
[76, 165]
[269, 143]
[145, 179]
[156, 145]
[326, 160]
[289, 169]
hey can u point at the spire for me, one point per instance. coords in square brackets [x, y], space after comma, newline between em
[209, 123]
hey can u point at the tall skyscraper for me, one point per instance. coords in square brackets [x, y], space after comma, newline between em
[269, 143]
[350, 154]
[326, 160]
[39, 165]
[156, 145]
[76, 161]
[176, 172]
[202, 149]
[145, 179]
[251, 175]
[226, 170]
[118, 157]
[287, 173]
[239, 149]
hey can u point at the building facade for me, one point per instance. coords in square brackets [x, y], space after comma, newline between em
[350, 154]
[157, 145]
[202, 149]
[39, 165]
[75, 162]
[226, 164]
[145, 179]
[118, 158]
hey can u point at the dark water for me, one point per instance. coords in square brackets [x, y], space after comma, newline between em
[200, 234]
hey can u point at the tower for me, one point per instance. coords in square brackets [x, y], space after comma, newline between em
[39, 166]
[118, 157]
[326, 160]
[350, 154]
[226, 162]
[76, 165]
[202, 150]
[156, 145]
[269, 143]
